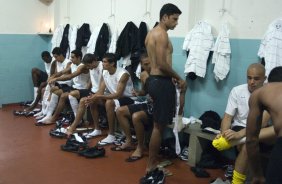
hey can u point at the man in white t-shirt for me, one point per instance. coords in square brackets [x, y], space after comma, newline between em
[119, 85]
[233, 124]
[39, 78]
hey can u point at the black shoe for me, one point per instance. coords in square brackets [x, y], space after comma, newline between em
[94, 152]
[154, 177]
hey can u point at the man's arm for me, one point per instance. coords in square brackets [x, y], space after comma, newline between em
[120, 89]
[69, 76]
[53, 68]
[254, 122]
[161, 58]
[64, 71]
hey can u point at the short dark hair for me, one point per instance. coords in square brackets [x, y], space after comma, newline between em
[77, 53]
[89, 58]
[275, 74]
[57, 50]
[111, 58]
[45, 54]
[169, 9]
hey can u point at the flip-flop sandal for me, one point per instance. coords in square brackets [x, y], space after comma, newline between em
[119, 148]
[102, 143]
[164, 164]
[133, 158]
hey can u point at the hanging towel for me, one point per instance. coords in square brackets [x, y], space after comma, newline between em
[221, 54]
[271, 46]
[199, 42]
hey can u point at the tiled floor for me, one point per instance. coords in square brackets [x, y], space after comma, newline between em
[28, 155]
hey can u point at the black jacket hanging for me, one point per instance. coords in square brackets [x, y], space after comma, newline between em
[83, 36]
[127, 41]
[102, 42]
[64, 45]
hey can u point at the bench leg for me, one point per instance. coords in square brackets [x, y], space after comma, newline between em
[196, 147]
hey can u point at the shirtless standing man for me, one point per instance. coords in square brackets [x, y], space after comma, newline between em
[269, 98]
[161, 85]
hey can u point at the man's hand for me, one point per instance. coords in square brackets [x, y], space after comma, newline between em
[231, 135]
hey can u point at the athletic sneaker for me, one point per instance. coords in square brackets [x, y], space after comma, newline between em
[154, 177]
[184, 154]
[229, 171]
[94, 133]
[108, 140]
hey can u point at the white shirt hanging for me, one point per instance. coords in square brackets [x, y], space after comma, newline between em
[221, 55]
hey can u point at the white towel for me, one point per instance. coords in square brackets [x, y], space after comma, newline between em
[221, 55]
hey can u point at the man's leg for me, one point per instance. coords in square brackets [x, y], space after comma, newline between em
[154, 146]
[74, 96]
[240, 169]
[123, 116]
[110, 109]
[95, 116]
[79, 115]
[60, 108]
[139, 119]
[52, 105]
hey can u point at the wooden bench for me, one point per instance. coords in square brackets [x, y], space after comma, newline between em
[197, 142]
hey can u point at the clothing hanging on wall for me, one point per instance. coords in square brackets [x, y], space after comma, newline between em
[57, 37]
[114, 38]
[271, 46]
[64, 45]
[102, 43]
[142, 33]
[199, 42]
[83, 36]
[72, 37]
[221, 54]
[93, 38]
[127, 40]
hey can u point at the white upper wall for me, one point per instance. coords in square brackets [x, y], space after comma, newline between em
[23, 17]
[247, 18]
[117, 12]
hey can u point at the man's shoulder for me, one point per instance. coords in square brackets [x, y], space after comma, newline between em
[241, 87]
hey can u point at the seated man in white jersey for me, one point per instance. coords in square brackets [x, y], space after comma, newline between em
[79, 74]
[53, 91]
[39, 78]
[233, 124]
[119, 84]
[95, 69]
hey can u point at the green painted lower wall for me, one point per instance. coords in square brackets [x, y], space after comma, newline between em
[205, 93]
[18, 55]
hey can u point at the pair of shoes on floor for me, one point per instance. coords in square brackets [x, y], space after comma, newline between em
[200, 172]
[93, 152]
[58, 132]
[75, 143]
[93, 134]
[110, 139]
[156, 176]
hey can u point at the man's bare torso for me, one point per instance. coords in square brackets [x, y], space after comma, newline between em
[158, 44]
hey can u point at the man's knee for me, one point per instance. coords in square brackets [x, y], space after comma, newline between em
[35, 71]
[64, 96]
[121, 111]
[110, 104]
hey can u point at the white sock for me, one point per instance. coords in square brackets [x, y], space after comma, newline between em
[74, 104]
[52, 105]
[35, 89]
